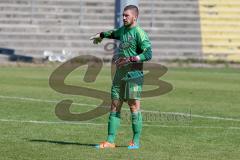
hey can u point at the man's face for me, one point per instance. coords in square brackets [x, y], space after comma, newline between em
[129, 17]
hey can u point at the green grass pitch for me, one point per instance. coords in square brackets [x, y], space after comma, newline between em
[209, 127]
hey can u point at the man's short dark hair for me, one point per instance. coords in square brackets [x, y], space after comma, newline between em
[133, 8]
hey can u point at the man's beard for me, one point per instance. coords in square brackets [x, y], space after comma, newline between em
[128, 24]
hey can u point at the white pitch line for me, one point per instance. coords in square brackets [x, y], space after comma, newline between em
[49, 122]
[101, 124]
[42, 100]
[146, 111]
[196, 116]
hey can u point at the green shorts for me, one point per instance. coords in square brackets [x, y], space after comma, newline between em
[127, 84]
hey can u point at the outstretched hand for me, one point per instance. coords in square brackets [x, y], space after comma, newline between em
[96, 38]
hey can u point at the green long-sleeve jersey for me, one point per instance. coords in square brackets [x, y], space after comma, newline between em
[133, 41]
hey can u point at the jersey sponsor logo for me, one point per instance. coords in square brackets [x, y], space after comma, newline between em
[124, 45]
[127, 44]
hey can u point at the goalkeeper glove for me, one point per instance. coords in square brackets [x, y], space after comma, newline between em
[125, 60]
[96, 38]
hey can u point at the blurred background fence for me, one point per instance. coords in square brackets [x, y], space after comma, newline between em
[178, 29]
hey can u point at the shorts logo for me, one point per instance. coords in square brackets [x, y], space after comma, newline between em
[135, 88]
[130, 38]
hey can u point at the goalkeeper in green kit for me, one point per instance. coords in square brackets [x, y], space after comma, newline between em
[134, 49]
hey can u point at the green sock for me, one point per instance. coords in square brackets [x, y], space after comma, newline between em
[136, 126]
[113, 124]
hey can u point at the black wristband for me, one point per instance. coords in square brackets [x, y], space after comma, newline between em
[102, 35]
